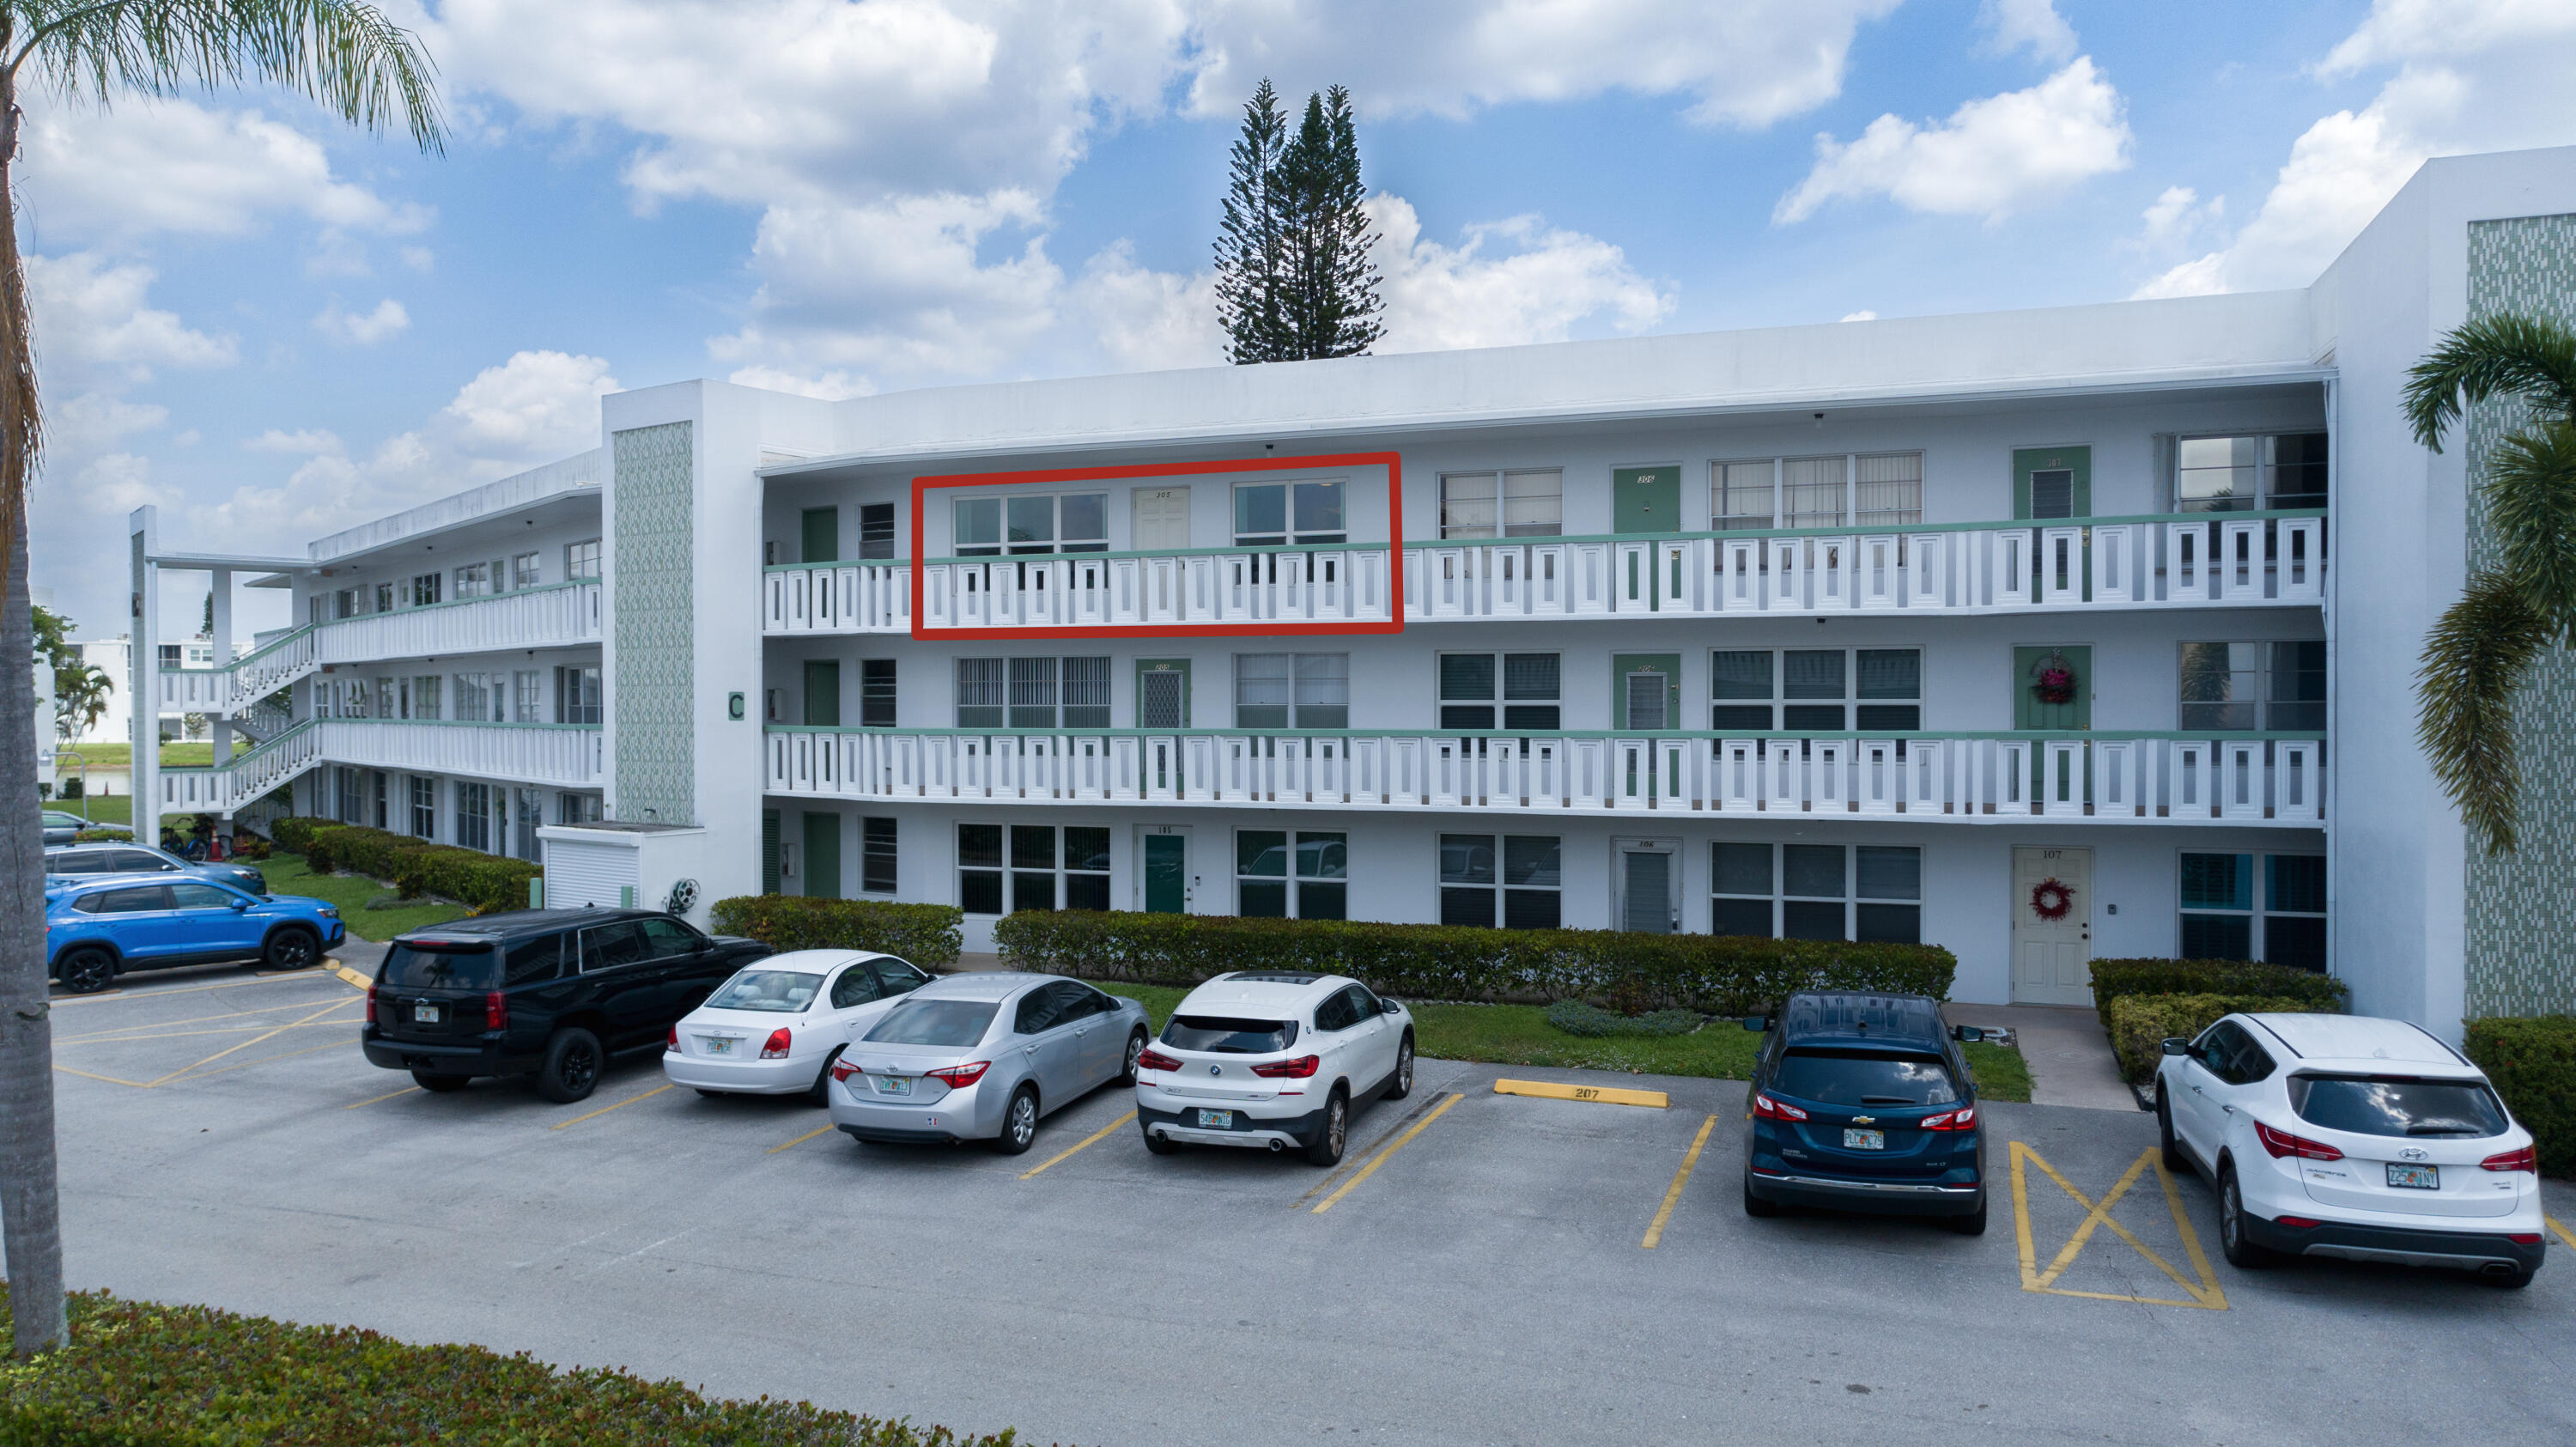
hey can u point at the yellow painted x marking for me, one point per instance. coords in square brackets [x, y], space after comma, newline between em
[2204, 1294]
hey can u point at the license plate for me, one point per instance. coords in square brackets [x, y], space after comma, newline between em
[1216, 1120]
[427, 1014]
[894, 1084]
[2415, 1178]
[716, 1044]
[1864, 1140]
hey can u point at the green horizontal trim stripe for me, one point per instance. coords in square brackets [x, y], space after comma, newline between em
[500, 597]
[238, 760]
[465, 723]
[254, 656]
[2097, 735]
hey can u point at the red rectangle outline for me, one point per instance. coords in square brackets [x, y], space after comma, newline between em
[1392, 462]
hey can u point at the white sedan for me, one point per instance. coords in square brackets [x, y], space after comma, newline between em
[776, 1027]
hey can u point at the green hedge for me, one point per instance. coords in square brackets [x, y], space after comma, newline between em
[1715, 975]
[482, 882]
[139, 1374]
[2115, 978]
[929, 935]
[1575, 1017]
[2140, 1024]
[2533, 1064]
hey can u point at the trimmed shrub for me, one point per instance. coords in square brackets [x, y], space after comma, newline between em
[2532, 1061]
[929, 935]
[294, 831]
[1712, 974]
[2140, 1024]
[102, 836]
[1574, 1017]
[484, 883]
[138, 1374]
[2114, 978]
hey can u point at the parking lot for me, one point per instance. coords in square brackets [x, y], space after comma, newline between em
[1484, 1267]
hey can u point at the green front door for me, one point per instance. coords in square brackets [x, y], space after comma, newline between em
[2052, 482]
[1162, 693]
[2032, 712]
[1167, 866]
[823, 692]
[822, 535]
[769, 851]
[1646, 499]
[823, 856]
[1645, 691]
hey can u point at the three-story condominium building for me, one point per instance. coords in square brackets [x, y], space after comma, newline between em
[2042, 635]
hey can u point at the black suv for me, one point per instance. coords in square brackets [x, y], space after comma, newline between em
[546, 992]
[1864, 1102]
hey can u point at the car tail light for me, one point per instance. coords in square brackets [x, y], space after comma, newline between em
[1297, 1069]
[2298, 1223]
[775, 1047]
[2526, 1159]
[1964, 1118]
[371, 1004]
[1765, 1108]
[844, 1069]
[2281, 1143]
[1154, 1059]
[2523, 1238]
[671, 1042]
[496, 1010]
[958, 1077]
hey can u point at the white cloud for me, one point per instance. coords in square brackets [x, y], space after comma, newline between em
[1990, 158]
[535, 406]
[176, 166]
[92, 421]
[2406, 32]
[1144, 320]
[1859, 316]
[303, 442]
[2012, 25]
[1509, 282]
[91, 319]
[363, 329]
[419, 258]
[833, 386]
[2176, 213]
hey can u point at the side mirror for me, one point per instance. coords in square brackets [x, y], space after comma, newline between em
[2176, 1045]
[1389, 1007]
[239, 905]
[1967, 1034]
[1757, 1023]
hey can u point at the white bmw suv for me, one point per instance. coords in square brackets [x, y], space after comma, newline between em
[1272, 1059]
[2341, 1135]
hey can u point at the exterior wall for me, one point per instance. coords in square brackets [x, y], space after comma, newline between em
[653, 664]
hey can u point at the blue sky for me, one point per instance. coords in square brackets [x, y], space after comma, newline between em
[271, 327]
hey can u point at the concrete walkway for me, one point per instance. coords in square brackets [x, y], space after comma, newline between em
[2070, 1059]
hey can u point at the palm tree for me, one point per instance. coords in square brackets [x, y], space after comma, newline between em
[80, 698]
[349, 58]
[2523, 603]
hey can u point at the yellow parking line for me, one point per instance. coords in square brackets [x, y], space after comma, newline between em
[1681, 1178]
[94, 1075]
[2206, 1294]
[800, 1140]
[126, 1032]
[605, 1109]
[2561, 1230]
[1380, 1158]
[263, 1060]
[1087, 1142]
[1607, 1095]
[406, 1090]
[123, 994]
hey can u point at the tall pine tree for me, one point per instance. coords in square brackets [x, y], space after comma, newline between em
[1294, 280]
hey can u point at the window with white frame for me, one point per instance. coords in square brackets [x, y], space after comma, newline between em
[877, 856]
[1044, 867]
[1827, 690]
[1865, 892]
[577, 699]
[474, 804]
[1283, 875]
[577, 808]
[581, 560]
[876, 530]
[1292, 690]
[1871, 490]
[524, 571]
[2268, 907]
[344, 604]
[876, 693]
[1887, 489]
[1524, 504]
[423, 590]
[1268, 514]
[1030, 693]
[424, 807]
[384, 597]
[474, 580]
[1500, 690]
[1515, 880]
[526, 812]
[1058, 523]
[2248, 686]
[479, 698]
[528, 695]
[423, 699]
[2238, 474]
[350, 791]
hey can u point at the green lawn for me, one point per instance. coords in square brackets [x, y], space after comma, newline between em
[116, 809]
[104, 756]
[1520, 1035]
[350, 892]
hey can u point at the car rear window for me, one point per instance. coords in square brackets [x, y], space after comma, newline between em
[2396, 1105]
[1219, 1035]
[777, 991]
[442, 965]
[935, 1022]
[1864, 1077]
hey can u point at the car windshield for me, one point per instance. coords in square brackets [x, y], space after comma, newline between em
[777, 991]
[442, 965]
[2396, 1105]
[1219, 1035]
[935, 1022]
[1864, 1077]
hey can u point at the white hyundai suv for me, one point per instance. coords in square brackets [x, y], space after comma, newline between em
[2341, 1135]
[1272, 1059]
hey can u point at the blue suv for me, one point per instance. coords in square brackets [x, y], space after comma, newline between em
[99, 927]
[1863, 1102]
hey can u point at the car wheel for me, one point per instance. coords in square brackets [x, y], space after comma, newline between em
[571, 1070]
[1400, 1084]
[293, 948]
[2239, 1249]
[1019, 1122]
[438, 1084]
[1157, 1144]
[820, 1092]
[1336, 1134]
[1135, 1048]
[86, 972]
[2175, 1160]
[1972, 1224]
[1754, 1205]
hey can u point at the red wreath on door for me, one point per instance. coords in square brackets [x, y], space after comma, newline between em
[2051, 900]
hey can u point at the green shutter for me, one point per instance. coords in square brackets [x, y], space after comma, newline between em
[823, 693]
[823, 856]
[822, 535]
[769, 851]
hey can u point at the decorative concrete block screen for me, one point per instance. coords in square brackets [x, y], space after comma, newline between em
[655, 668]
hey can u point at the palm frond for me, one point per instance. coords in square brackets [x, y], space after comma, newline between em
[2504, 355]
[2530, 489]
[2478, 653]
[343, 54]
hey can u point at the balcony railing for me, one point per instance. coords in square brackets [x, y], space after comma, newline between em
[241, 684]
[2162, 561]
[1979, 778]
[223, 788]
[569, 755]
[548, 617]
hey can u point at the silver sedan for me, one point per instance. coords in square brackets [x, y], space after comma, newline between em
[982, 1057]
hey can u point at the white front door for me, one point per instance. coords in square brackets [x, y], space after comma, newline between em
[1162, 518]
[2052, 959]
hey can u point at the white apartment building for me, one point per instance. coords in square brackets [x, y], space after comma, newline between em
[2042, 635]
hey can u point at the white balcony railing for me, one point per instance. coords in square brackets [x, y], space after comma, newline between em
[2140, 778]
[240, 685]
[569, 755]
[2196, 561]
[223, 788]
[548, 617]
